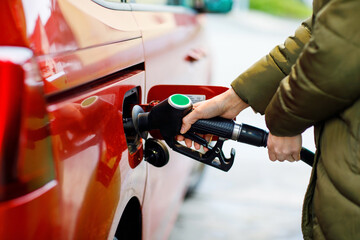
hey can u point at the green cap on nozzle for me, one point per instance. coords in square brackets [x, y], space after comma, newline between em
[179, 101]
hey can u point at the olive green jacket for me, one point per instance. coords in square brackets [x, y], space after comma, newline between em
[314, 79]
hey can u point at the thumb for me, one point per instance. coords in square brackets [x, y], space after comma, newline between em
[187, 121]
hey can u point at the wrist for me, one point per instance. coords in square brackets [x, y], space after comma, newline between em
[229, 104]
[233, 101]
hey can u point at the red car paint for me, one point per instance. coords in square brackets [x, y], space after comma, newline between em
[66, 169]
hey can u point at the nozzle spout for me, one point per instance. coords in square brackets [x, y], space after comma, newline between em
[143, 122]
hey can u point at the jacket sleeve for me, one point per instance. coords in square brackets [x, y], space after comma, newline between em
[258, 84]
[326, 78]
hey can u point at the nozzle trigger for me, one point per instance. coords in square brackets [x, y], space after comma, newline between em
[216, 158]
[213, 157]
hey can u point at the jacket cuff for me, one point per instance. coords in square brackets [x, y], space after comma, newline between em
[257, 85]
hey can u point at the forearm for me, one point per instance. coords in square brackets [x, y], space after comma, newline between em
[325, 79]
[257, 85]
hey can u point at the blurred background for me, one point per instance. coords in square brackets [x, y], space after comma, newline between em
[257, 199]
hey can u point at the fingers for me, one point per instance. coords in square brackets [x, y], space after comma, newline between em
[197, 146]
[281, 153]
[208, 137]
[279, 156]
[201, 110]
[189, 142]
[272, 156]
[188, 120]
[284, 148]
[297, 156]
[180, 138]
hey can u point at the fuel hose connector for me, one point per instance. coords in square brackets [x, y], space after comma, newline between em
[166, 116]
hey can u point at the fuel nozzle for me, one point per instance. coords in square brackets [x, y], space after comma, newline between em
[167, 118]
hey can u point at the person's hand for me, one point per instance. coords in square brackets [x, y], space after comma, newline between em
[226, 105]
[284, 148]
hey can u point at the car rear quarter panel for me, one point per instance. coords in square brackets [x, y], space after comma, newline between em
[76, 45]
[86, 51]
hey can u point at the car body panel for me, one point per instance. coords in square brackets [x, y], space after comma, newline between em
[63, 25]
[89, 56]
[161, 33]
[169, 38]
[70, 69]
[29, 189]
[92, 159]
[15, 215]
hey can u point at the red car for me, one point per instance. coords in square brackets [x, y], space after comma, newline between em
[70, 73]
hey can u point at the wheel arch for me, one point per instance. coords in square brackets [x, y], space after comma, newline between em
[130, 225]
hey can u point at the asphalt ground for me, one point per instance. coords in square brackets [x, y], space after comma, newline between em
[257, 199]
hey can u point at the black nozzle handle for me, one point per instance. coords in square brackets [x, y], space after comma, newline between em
[217, 126]
[227, 128]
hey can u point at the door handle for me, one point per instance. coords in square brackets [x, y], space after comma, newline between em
[195, 55]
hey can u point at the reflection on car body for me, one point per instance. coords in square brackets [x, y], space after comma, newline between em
[70, 72]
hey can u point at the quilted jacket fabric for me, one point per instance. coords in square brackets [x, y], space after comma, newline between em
[313, 79]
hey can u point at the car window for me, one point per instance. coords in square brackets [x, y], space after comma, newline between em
[153, 4]
[183, 3]
[158, 2]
